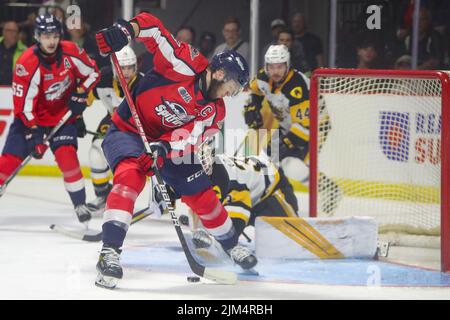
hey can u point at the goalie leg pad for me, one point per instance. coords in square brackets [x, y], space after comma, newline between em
[67, 160]
[8, 163]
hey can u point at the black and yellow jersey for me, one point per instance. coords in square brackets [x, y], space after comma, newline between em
[109, 91]
[288, 101]
[249, 181]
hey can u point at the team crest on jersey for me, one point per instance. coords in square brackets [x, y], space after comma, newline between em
[172, 114]
[57, 90]
[184, 94]
[66, 63]
[21, 71]
[297, 92]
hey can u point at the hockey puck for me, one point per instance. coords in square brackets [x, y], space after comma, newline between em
[193, 279]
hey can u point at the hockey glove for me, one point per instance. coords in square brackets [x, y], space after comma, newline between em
[114, 38]
[288, 148]
[77, 103]
[81, 127]
[146, 160]
[35, 142]
[253, 118]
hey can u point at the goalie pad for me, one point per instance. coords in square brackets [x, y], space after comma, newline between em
[316, 238]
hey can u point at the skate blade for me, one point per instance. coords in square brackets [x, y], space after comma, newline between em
[106, 282]
[250, 272]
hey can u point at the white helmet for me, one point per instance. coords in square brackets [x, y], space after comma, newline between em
[126, 57]
[278, 53]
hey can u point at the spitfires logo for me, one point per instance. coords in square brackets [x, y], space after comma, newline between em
[57, 90]
[172, 114]
[394, 135]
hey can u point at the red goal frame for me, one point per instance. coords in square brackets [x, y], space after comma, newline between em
[445, 140]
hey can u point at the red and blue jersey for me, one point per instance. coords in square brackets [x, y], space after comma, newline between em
[168, 99]
[42, 85]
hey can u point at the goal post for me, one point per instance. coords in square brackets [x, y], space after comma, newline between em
[380, 146]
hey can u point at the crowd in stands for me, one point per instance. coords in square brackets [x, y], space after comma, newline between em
[385, 49]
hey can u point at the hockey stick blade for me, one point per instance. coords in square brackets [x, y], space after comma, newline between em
[220, 276]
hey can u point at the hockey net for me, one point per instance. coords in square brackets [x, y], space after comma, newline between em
[380, 147]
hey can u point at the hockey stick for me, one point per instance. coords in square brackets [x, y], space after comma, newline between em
[138, 216]
[219, 276]
[95, 134]
[61, 122]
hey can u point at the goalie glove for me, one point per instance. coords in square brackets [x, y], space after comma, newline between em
[288, 147]
[158, 206]
[253, 117]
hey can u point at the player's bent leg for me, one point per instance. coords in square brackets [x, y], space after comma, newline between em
[100, 176]
[67, 160]
[128, 183]
[216, 221]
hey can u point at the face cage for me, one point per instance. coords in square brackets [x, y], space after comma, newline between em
[206, 154]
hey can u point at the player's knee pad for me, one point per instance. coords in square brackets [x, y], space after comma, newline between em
[67, 160]
[128, 184]
[296, 169]
[209, 209]
[8, 163]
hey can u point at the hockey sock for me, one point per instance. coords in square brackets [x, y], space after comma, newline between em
[100, 181]
[8, 163]
[67, 160]
[213, 216]
[127, 185]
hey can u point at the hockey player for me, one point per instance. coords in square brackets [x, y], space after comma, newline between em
[109, 91]
[248, 188]
[50, 78]
[179, 104]
[286, 91]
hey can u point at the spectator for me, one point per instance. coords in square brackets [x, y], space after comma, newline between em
[27, 29]
[276, 26]
[186, 34]
[431, 45]
[59, 13]
[232, 33]
[298, 61]
[207, 44]
[311, 44]
[10, 50]
[82, 38]
[368, 55]
[403, 63]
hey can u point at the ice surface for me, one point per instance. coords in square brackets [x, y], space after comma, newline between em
[37, 263]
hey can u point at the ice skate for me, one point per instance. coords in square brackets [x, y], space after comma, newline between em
[83, 212]
[201, 239]
[109, 268]
[243, 257]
